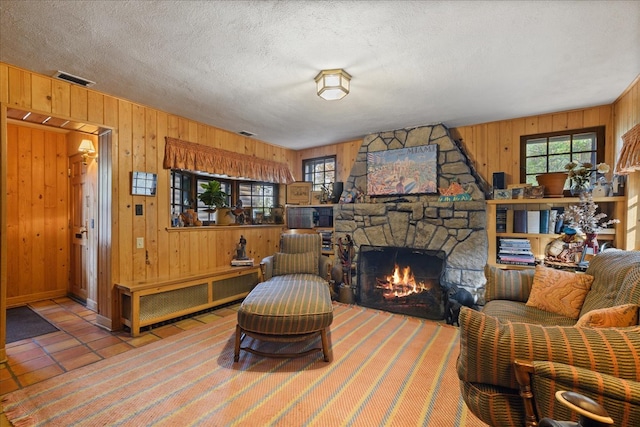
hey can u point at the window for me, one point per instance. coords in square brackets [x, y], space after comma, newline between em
[550, 152]
[320, 171]
[185, 188]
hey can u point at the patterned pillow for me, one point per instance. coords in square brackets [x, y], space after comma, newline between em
[512, 285]
[558, 291]
[620, 316]
[306, 262]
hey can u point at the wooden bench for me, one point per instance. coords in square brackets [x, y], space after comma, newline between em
[146, 302]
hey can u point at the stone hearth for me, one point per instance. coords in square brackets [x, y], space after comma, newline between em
[421, 221]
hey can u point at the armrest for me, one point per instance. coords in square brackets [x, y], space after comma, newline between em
[488, 348]
[512, 285]
[266, 268]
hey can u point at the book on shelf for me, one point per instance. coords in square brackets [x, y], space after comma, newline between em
[544, 221]
[242, 262]
[501, 220]
[530, 264]
[520, 221]
[533, 222]
[559, 221]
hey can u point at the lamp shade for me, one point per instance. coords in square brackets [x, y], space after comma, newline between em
[333, 84]
[86, 146]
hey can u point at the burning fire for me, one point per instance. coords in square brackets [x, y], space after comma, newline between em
[400, 285]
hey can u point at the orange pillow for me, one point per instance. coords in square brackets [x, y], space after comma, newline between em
[619, 316]
[559, 292]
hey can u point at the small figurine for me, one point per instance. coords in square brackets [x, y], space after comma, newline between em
[238, 212]
[241, 249]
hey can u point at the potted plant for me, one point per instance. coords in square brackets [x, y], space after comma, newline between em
[214, 198]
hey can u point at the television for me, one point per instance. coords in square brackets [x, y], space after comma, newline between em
[412, 170]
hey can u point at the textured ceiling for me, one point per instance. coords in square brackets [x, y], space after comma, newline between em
[249, 65]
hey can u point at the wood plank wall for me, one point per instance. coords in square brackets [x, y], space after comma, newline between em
[137, 143]
[626, 114]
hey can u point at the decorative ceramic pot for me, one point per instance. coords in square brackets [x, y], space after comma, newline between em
[577, 189]
[553, 183]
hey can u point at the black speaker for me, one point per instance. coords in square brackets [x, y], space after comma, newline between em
[499, 181]
[337, 192]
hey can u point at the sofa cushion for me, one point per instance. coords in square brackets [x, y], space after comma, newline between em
[609, 269]
[496, 406]
[285, 263]
[558, 291]
[619, 316]
[512, 285]
[629, 292]
[512, 311]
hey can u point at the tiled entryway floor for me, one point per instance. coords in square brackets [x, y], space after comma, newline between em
[79, 342]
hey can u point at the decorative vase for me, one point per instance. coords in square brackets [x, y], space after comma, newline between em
[579, 188]
[553, 183]
[591, 241]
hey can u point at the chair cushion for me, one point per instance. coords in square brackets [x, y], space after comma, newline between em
[306, 262]
[512, 285]
[287, 305]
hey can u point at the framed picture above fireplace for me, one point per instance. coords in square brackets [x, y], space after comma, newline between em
[412, 170]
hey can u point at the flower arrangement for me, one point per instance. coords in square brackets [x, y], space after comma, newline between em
[580, 173]
[584, 216]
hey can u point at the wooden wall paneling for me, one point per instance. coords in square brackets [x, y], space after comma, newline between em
[12, 208]
[575, 119]
[110, 113]
[24, 282]
[3, 211]
[124, 200]
[590, 117]
[138, 164]
[517, 129]
[494, 150]
[95, 107]
[559, 122]
[4, 83]
[61, 98]
[506, 146]
[37, 212]
[163, 255]
[61, 209]
[79, 98]
[41, 93]
[19, 88]
[151, 206]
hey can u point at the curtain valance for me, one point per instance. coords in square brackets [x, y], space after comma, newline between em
[180, 154]
[629, 160]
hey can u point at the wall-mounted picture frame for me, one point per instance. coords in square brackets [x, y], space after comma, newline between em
[299, 193]
[143, 183]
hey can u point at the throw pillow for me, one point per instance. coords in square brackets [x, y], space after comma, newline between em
[512, 285]
[306, 262]
[560, 292]
[619, 316]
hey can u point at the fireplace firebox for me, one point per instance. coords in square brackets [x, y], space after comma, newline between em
[401, 280]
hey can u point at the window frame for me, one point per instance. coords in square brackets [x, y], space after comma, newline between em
[598, 152]
[317, 186]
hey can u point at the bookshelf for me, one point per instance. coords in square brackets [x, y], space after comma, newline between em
[505, 209]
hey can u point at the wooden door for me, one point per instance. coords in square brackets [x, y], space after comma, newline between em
[79, 209]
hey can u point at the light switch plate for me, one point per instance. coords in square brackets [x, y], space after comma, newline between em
[140, 242]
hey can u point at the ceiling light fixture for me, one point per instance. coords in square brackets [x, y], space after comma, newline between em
[333, 84]
[88, 150]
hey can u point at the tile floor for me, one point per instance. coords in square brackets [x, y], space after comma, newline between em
[79, 342]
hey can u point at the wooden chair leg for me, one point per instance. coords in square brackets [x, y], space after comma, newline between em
[523, 371]
[236, 353]
[325, 344]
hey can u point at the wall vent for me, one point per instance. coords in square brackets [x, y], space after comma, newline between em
[246, 133]
[73, 79]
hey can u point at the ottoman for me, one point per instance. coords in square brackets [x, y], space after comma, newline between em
[288, 308]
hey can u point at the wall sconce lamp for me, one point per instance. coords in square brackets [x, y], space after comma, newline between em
[88, 150]
[333, 84]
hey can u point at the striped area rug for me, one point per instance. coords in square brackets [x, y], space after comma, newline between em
[386, 370]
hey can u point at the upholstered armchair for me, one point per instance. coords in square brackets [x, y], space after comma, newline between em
[299, 253]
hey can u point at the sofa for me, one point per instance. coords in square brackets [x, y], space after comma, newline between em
[590, 345]
[293, 301]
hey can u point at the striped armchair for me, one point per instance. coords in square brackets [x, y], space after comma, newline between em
[551, 351]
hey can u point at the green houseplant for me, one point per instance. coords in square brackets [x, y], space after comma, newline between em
[213, 197]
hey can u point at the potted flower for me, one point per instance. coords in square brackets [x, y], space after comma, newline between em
[585, 217]
[214, 198]
[580, 174]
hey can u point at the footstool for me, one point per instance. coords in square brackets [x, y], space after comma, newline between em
[288, 308]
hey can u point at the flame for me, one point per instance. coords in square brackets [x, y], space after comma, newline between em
[400, 284]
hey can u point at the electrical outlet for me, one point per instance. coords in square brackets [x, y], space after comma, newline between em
[140, 242]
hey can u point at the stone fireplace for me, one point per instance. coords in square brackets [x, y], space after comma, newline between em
[420, 222]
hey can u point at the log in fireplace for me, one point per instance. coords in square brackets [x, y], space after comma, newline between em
[401, 280]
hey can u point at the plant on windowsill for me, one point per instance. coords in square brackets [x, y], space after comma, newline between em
[213, 197]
